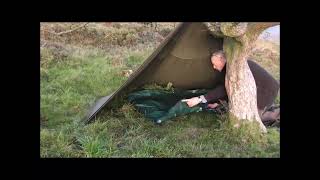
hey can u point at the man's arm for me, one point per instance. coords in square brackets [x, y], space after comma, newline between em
[213, 95]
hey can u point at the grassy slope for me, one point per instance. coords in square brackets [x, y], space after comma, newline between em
[71, 83]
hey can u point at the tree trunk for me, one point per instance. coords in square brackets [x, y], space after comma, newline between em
[240, 83]
[239, 38]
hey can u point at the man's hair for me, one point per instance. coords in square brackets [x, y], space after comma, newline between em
[220, 53]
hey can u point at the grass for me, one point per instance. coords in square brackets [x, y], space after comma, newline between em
[70, 85]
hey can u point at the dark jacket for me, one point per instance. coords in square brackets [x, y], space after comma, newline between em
[267, 87]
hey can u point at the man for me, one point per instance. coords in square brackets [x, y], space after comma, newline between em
[267, 89]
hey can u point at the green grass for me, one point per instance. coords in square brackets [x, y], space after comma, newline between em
[69, 86]
[74, 84]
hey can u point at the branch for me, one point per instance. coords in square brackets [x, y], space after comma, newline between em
[214, 29]
[254, 30]
[45, 43]
[264, 25]
[65, 32]
[233, 29]
[245, 33]
[230, 29]
[259, 27]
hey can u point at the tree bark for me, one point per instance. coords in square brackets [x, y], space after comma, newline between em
[240, 83]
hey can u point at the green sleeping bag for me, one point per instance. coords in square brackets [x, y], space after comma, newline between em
[161, 105]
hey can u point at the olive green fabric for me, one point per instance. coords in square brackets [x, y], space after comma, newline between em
[185, 61]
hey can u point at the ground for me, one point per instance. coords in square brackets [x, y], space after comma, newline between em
[91, 62]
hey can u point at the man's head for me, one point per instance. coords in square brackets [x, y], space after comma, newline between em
[218, 60]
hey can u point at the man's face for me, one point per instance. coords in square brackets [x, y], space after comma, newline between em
[218, 62]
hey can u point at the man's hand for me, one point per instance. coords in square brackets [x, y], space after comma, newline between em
[212, 106]
[192, 101]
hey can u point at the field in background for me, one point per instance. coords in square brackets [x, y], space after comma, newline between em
[90, 62]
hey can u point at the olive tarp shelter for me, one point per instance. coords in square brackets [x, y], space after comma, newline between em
[182, 58]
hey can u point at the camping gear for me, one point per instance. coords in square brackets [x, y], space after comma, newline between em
[271, 116]
[161, 105]
[183, 59]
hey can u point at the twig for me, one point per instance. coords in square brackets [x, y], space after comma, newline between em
[64, 32]
[45, 43]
